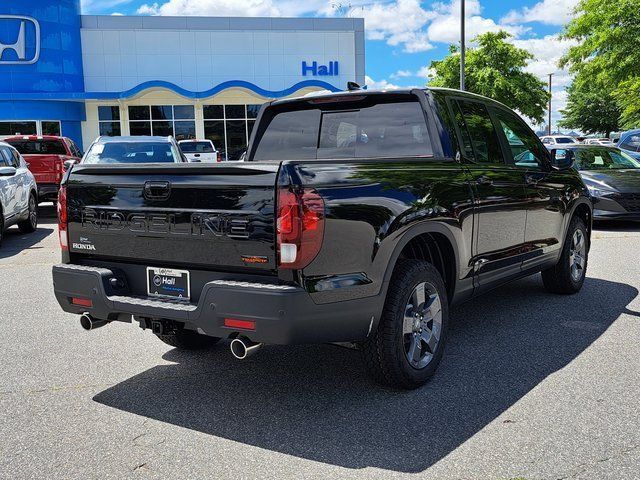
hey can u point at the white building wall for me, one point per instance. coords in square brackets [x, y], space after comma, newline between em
[117, 59]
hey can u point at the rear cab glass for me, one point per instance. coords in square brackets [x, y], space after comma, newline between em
[344, 127]
[38, 146]
[196, 147]
[131, 152]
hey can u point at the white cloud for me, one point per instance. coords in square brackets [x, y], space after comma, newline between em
[547, 52]
[399, 23]
[380, 85]
[88, 6]
[551, 12]
[445, 27]
[401, 74]
[425, 72]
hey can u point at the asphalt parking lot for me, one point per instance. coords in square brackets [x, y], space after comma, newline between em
[532, 385]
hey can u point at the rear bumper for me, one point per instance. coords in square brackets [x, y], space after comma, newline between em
[47, 191]
[283, 314]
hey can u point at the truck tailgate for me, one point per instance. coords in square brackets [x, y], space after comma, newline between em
[217, 217]
[45, 168]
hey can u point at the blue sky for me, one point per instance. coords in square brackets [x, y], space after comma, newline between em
[403, 36]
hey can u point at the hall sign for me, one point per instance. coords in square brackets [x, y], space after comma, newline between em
[315, 70]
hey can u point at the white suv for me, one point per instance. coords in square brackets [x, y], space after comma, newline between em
[18, 192]
[552, 140]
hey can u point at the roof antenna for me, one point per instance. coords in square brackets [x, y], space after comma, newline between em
[353, 86]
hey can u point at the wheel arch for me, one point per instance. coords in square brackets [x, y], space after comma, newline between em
[432, 242]
[584, 210]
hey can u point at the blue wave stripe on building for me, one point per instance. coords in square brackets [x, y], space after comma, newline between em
[169, 86]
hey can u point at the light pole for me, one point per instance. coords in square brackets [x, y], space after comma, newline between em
[462, 44]
[549, 125]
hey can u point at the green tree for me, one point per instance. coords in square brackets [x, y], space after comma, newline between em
[608, 51]
[591, 108]
[495, 69]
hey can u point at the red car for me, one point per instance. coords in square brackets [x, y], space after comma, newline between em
[45, 155]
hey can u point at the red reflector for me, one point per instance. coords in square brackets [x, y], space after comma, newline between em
[243, 324]
[83, 302]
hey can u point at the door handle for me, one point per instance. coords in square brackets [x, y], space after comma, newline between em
[484, 180]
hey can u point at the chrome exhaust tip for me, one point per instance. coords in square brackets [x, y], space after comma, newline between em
[89, 323]
[242, 347]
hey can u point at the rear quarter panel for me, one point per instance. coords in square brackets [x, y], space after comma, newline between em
[373, 207]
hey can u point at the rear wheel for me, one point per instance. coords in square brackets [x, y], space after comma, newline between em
[567, 276]
[189, 340]
[31, 223]
[1, 225]
[405, 350]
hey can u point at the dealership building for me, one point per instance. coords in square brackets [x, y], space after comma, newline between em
[82, 76]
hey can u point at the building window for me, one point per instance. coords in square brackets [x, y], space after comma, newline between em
[50, 127]
[31, 127]
[109, 120]
[19, 128]
[163, 120]
[229, 127]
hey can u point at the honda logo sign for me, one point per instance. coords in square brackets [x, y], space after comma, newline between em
[28, 35]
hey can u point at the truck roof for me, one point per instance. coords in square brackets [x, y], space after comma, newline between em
[398, 91]
[34, 137]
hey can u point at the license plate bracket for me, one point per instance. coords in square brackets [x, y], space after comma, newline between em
[168, 283]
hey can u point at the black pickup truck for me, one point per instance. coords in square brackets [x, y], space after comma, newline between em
[359, 217]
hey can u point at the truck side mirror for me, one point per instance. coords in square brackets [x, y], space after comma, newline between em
[7, 171]
[562, 159]
[68, 164]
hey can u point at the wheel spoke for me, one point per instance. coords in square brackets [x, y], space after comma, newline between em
[418, 296]
[415, 349]
[429, 338]
[407, 323]
[433, 305]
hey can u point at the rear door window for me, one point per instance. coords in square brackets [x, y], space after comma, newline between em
[481, 133]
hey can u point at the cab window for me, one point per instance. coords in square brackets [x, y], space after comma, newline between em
[524, 148]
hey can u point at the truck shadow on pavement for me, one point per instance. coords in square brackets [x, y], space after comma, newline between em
[316, 403]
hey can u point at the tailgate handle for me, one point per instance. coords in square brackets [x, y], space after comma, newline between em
[157, 190]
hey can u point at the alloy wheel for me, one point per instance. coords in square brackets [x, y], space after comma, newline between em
[33, 212]
[422, 325]
[577, 255]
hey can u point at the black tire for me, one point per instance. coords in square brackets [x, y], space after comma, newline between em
[31, 223]
[559, 278]
[385, 351]
[1, 225]
[189, 340]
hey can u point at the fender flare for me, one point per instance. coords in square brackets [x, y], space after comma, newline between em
[410, 234]
[580, 201]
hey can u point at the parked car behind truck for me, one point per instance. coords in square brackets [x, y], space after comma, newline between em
[357, 217]
[46, 156]
[18, 192]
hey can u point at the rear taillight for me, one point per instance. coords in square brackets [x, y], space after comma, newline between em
[218, 157]
[300, 226]
[63, 218]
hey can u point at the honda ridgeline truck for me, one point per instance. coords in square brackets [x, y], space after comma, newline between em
[358, 217]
